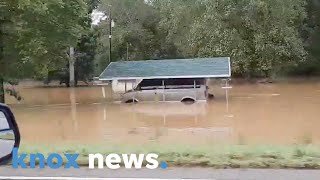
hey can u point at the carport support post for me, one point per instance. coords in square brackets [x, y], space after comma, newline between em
[164, 94]
[195, 89]
[133, 98]
[125, 86]
[103, 91]
[112, 94]
[227, 94]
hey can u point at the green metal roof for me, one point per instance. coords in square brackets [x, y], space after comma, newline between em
[173, 68]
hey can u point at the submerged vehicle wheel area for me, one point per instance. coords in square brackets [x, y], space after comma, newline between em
[132, 101]
[188, 101]
[210, 96]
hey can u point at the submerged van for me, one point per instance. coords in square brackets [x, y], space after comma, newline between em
[184, 90]
[180, 80]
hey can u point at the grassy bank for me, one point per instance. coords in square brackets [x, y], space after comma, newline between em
[235, 156]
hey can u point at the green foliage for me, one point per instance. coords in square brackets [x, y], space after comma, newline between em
[85, 52]
[86, 48]
[92, 4]
[311, 36]
[47, 29]
[261, 36]
[8, 55]
[35, 35]
[8, 10]
[40, 32]
[136, 28]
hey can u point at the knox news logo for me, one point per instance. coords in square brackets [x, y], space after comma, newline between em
[67, 161]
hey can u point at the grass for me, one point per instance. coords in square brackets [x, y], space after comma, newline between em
[231, 156]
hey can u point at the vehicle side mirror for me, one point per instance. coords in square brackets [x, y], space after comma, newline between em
[9, 134]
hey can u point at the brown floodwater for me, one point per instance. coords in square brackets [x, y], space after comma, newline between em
[279, 113]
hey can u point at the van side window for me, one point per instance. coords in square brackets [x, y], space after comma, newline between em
[149, 84]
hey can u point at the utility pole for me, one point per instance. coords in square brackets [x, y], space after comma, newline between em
[71, 67]
[127, 51]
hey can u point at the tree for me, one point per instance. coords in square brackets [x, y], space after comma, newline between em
[261, 36]
[311, 34]
[41, 32]
[136, 30]
[84, 66]
[50, 28]
[86, 46]
[80, 65]
[8, 10]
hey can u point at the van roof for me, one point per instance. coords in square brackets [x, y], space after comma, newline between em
[219, 67]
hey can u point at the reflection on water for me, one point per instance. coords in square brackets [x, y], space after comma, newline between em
[282, 113]
[6, 142]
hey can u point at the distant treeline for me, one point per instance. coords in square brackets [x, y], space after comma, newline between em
[263, 37]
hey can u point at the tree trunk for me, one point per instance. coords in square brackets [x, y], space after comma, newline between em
[1, 64]
[2, 98]
[71, 67]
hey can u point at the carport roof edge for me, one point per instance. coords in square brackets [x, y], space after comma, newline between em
[219, 67]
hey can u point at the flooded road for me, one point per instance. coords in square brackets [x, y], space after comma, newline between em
[280, 113]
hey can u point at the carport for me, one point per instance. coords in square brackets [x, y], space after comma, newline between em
[131, 72]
